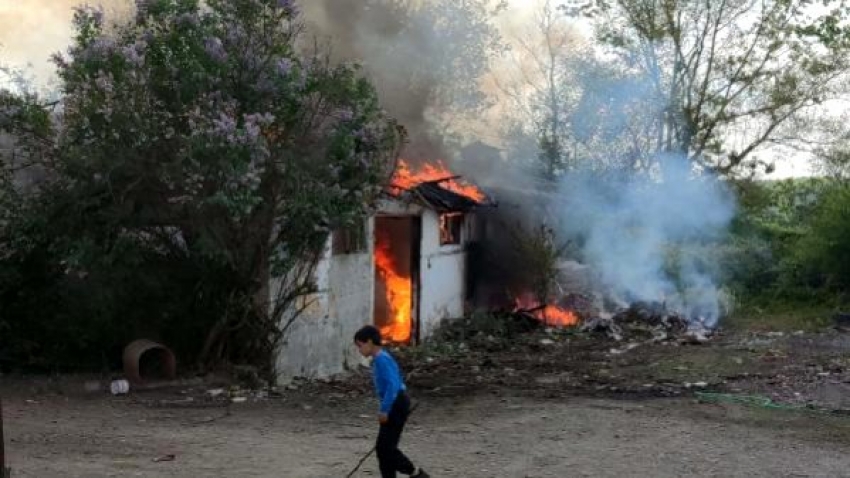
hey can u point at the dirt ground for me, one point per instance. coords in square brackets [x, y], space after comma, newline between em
[566, 407]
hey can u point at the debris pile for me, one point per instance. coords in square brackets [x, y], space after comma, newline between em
[647, 322]
[487, 327]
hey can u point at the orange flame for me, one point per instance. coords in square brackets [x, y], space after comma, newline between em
[549, 314]
[398, 293]
[406, 177]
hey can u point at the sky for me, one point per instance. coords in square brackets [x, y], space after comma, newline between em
[32, 30]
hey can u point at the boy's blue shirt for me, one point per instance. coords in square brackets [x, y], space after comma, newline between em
[388, 381]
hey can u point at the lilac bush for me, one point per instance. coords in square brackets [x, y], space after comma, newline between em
[206, 120]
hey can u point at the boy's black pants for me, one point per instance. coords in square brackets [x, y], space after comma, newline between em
[390, 458]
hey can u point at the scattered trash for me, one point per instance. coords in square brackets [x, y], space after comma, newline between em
[624, 349]
[604, 325]
[215, 392]
[650, 322]
[167, 457]
[696, 336]
[119, 387]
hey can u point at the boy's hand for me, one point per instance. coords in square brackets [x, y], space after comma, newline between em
[383, 418]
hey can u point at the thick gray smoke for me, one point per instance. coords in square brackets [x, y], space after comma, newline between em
[425, 58]
[639, 234]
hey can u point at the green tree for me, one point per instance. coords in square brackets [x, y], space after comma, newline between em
[721, 80]
[538, 89]
[833, 158]
[823, 255]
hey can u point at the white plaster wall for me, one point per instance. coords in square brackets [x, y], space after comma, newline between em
[443, 270]
[351, 295]
[319, 343]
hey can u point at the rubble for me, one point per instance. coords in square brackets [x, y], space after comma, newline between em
[603, 325]
[647, 322]
[486, 329]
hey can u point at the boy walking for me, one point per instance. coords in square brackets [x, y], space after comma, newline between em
[394, 405]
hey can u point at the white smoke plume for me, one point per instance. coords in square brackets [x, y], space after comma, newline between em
[637, 234]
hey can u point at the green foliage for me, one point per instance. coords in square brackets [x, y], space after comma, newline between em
[788, 314]
[537, 249]
[823, 254]
[789, 242]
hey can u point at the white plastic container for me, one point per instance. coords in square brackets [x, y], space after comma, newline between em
[119, 387]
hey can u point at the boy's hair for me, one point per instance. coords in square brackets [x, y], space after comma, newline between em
[368, 333]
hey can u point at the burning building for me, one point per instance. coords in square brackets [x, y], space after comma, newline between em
[404, 270]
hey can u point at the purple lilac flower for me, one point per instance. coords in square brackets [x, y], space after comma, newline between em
[288, 6]
[84, 13]
[252, 130]
[134, 54]
[254, 123]
[215, 49]
[100, 48]
[284, 66]
[262, 119]
[345, 114]
[104, 82]
[225, 127]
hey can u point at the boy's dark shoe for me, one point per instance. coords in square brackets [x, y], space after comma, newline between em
[420, 474]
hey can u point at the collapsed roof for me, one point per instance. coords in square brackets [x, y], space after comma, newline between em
[439, 195]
